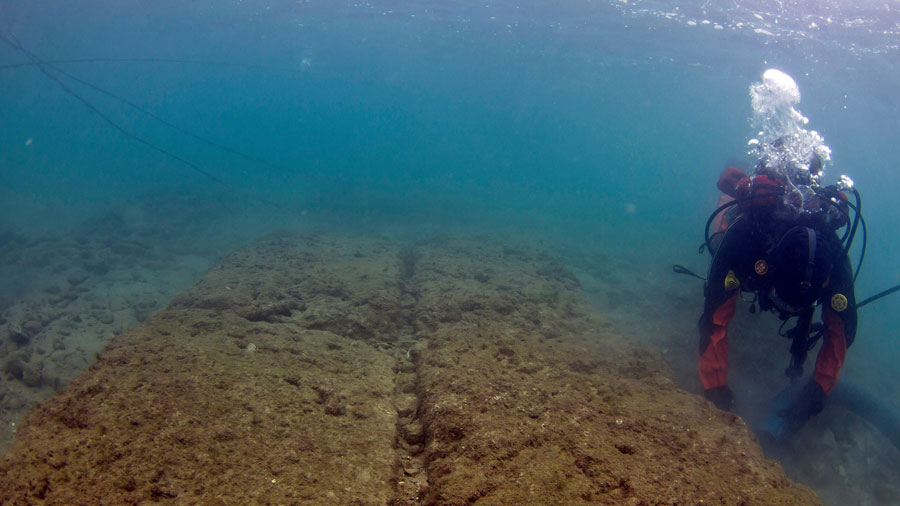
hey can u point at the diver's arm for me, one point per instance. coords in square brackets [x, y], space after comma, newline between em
[718, 310]
[810, 399]
[839, 316]
[713, 362]
[831, 355]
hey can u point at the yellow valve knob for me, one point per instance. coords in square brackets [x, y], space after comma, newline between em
[838, 302]
[731, 281]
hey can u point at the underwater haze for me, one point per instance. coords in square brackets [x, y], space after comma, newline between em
[577, 124]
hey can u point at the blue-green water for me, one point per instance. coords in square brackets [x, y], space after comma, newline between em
[577, 121]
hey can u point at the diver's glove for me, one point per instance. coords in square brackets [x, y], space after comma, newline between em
[721, 396]
[805, 403]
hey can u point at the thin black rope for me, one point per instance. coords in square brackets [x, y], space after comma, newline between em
[251, 66]
[218, 145]
[106, 118]
[878, 296]
[171, 125]
[40, 64]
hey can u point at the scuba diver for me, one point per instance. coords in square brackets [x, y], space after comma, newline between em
[776, 245]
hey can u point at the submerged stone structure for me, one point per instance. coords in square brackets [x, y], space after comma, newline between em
[319, 369]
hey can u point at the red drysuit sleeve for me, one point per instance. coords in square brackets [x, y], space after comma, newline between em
[831, 355]
[713, 362]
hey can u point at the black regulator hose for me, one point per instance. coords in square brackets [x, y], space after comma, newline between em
[857, 220]
[858, 209]
[712, 217]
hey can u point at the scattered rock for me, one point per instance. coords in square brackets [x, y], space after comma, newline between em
[335, 407]
[97, 268]
[77, 277]
[32, 326]
[269, 312]
[14, 368]
[18, 337]
[31, 374]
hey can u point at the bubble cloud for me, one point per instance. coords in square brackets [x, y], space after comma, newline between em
[783, 145]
